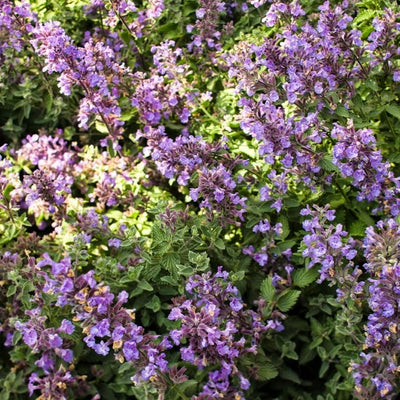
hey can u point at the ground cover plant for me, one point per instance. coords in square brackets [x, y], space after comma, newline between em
[199, 199]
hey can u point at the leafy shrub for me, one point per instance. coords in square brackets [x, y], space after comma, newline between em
[199, 199]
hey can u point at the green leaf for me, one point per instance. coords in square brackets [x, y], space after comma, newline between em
[290, 202]
[394, 158]
[303, 277]
[266, 372]
[285, 227]
[158, 234]
[171, 30]
[326, 163]
[393, 110]
[145, 286]
[161, 247]
[290, 375]
[185, 270]
[365, 15]
[316, 342]
[288, 299]
[11, 290]
[342, 112]
[323, 369]
[16, 337]
[267, 289]
[154, 304]
[6, 192]
[199, 259]
[238, 276]
[219, 243]
[170, 280]
[365, 217]
[101, 127]
[288, 350]
[357, 228]
[316, 327]
[323, 354]
[170, 261]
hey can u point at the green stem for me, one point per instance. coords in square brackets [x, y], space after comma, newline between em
[213, 119]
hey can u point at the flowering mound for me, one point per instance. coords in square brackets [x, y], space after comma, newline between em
[199, 199]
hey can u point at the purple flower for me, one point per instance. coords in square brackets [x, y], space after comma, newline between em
[114, 242]
[54, 340]
[130, 350]
[30, 336]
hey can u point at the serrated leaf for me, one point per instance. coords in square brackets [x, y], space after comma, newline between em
[287, 299]
[304, 277]
[157, 234]
[267, 289]
[266, 372]
[365, 217]
[160, 247]
[151, 271]
[193, 257]
[365, 15]
[394, 158]
[326, 163]
[170, 261]
[357, 228]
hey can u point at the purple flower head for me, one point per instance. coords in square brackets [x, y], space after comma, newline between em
[114, 242]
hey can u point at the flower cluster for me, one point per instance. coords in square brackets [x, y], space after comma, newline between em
[46, 341]
[308, 62]
[136, 21]
[357, 156]
[324, 245]
[53, 347]
[165, 91]
[181, 157]
[376, 375]
[15, 22]
[44, 191]
[216, 188]
[383, 43]
[281, 137]
[92, 67]
[217, 330]
[107, 180]
[267, 256]
[205, 30]
[56, 384]
[105, 323]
